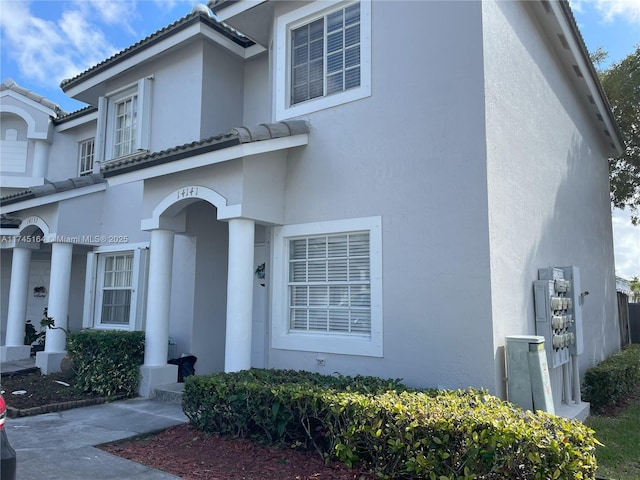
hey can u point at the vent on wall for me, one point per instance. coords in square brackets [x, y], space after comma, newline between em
[563, 41]
[576, 69]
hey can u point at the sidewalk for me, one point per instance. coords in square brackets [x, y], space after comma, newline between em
[60, 446]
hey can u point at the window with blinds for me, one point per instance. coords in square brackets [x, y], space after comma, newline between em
[116, 289]
[329, 284]
[326, 55]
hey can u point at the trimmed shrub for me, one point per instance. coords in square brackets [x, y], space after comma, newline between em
[107, 362]
[396, 433]
[272, 406]
[613, 379]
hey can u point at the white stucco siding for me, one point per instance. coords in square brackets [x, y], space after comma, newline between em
[121, 214]
[176, 96]
[64, 153]
[17, 150]
[257, 91]
[222, 178]
[414, 154]
[222, 91]
[547, 182]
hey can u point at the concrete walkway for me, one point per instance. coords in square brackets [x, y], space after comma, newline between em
[60, 446]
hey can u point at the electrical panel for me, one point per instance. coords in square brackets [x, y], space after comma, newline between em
[558, 316]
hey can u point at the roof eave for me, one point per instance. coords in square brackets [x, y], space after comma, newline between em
[179, 32]
[564, 15]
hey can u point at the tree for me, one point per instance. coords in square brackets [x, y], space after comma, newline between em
[621, 83]
[635, 289]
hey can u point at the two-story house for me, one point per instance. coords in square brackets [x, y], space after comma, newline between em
[338, 186]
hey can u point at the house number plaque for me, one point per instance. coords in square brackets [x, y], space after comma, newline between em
[187, 192]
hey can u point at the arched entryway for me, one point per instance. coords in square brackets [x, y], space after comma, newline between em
[222, 244]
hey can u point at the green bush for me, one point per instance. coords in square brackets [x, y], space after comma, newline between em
[613, 379]
[107, 362]
[397, 434]
[272, 406]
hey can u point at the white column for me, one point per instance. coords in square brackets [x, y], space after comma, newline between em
[18, 292]
[58, 308]
[155, 370]
[40, 158]
[158, 298]
[14, 347]
[237, 351]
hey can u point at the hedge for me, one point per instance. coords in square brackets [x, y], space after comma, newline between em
[396, 433]
[107, 362]
[613, 379]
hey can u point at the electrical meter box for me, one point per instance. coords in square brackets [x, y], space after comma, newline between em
[558, 314]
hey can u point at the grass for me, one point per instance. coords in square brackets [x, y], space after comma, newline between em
[619, 458]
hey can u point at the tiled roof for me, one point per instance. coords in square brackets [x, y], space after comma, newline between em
[77, 113]
[184, 22]
[8, 222]
[10, 84]
[51, 188]
[235, 136]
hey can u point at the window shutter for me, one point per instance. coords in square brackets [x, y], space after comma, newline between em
[140, 282]
[89, 290]
[101, 130]
[143, 132]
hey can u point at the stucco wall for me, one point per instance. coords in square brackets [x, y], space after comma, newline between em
[64, 154]
[413, 153]
[547, 182]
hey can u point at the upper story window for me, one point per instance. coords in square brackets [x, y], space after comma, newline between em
[323, 57]
[86, 153]
[124, 129]
[124, 122]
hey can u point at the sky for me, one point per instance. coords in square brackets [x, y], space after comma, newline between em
[43, 42]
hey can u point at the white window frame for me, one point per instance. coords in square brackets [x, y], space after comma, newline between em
[94, 282]
[105, 137]
[326, 342]
[84, 156]
[282, 71]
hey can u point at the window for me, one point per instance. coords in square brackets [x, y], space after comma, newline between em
[328, 288]
[124, 128]
[86, 157]
[115, 286]
[124, 121]
[325, 56]
[322, 57]
[329, 279]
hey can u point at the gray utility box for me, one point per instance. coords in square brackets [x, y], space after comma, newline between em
[528, 382]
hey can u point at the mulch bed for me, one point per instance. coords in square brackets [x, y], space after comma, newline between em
[194, 455]
[43, 393]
